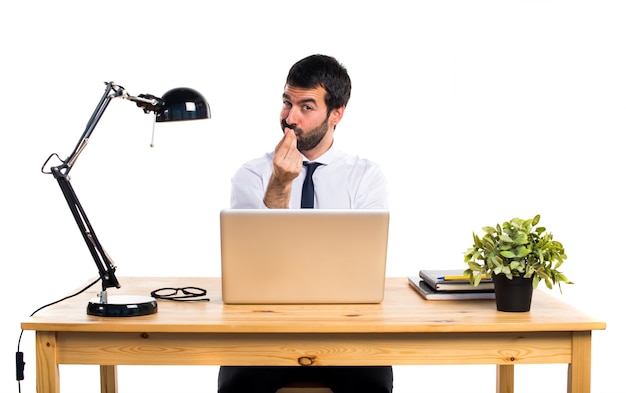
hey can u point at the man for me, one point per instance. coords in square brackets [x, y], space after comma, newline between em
[315, 96]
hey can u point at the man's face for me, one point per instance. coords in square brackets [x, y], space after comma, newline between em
[304, 111]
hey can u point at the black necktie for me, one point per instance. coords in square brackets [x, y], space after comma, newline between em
[307, 187]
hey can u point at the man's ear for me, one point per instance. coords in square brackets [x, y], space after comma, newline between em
[335, 116]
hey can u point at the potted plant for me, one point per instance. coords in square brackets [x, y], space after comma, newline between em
[517, 253]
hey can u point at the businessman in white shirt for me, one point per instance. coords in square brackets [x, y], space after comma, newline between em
[315, 96]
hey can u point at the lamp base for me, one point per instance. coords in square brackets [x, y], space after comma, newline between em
[122, 306]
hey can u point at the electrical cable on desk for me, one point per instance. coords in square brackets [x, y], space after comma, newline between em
[19, 356]
[188, 294]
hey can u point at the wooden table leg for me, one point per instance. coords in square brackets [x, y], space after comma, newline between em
[108, 379]
[579, 370]
[47, 365]
[505, 378]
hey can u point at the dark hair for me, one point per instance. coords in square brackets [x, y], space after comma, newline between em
[324, 71]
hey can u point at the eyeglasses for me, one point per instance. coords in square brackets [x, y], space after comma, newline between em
[185, 294]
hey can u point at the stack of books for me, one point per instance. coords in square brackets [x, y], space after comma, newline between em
[450, 285]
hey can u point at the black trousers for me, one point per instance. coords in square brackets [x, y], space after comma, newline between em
[342, 379]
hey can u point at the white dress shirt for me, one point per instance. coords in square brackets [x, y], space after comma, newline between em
[344, 181]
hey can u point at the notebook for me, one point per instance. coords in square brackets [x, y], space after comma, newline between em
[303, 256]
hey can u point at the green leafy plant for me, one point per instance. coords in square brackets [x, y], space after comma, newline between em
[517, 248]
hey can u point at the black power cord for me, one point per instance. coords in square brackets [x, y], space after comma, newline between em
[19, 356]
[177, 294]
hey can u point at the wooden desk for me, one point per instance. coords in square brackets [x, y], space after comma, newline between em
[403, 330]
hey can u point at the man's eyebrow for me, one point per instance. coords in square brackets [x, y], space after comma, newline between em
[306, 100]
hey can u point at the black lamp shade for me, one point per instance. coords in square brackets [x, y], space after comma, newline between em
[183, 103]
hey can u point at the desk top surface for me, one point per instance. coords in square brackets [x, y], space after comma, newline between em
[402, 311]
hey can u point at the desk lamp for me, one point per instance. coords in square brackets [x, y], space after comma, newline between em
[176, 104]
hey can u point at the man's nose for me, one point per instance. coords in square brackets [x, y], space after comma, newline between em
[293, 116]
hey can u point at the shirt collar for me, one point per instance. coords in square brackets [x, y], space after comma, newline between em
[328, 157]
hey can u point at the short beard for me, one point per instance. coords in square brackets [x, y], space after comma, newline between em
[312, 139]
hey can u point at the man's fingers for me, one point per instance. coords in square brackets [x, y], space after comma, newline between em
[287, 148]
[287, 158]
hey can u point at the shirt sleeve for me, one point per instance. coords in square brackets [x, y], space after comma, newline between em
[247, 189]
[373, 190]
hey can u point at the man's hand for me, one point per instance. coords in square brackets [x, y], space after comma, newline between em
[287, 166]
[287, 158]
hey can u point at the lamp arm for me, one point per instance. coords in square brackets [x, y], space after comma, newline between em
[112, 91]
[147, 102]
[105, 265]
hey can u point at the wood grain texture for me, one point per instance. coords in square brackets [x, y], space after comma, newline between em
[404, 329]
[402, 311]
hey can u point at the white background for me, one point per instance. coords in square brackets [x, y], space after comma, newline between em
[478, 111]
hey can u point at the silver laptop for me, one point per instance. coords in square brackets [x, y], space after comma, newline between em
[303, 256]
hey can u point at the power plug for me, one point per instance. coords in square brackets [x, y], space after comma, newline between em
[19, 365]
